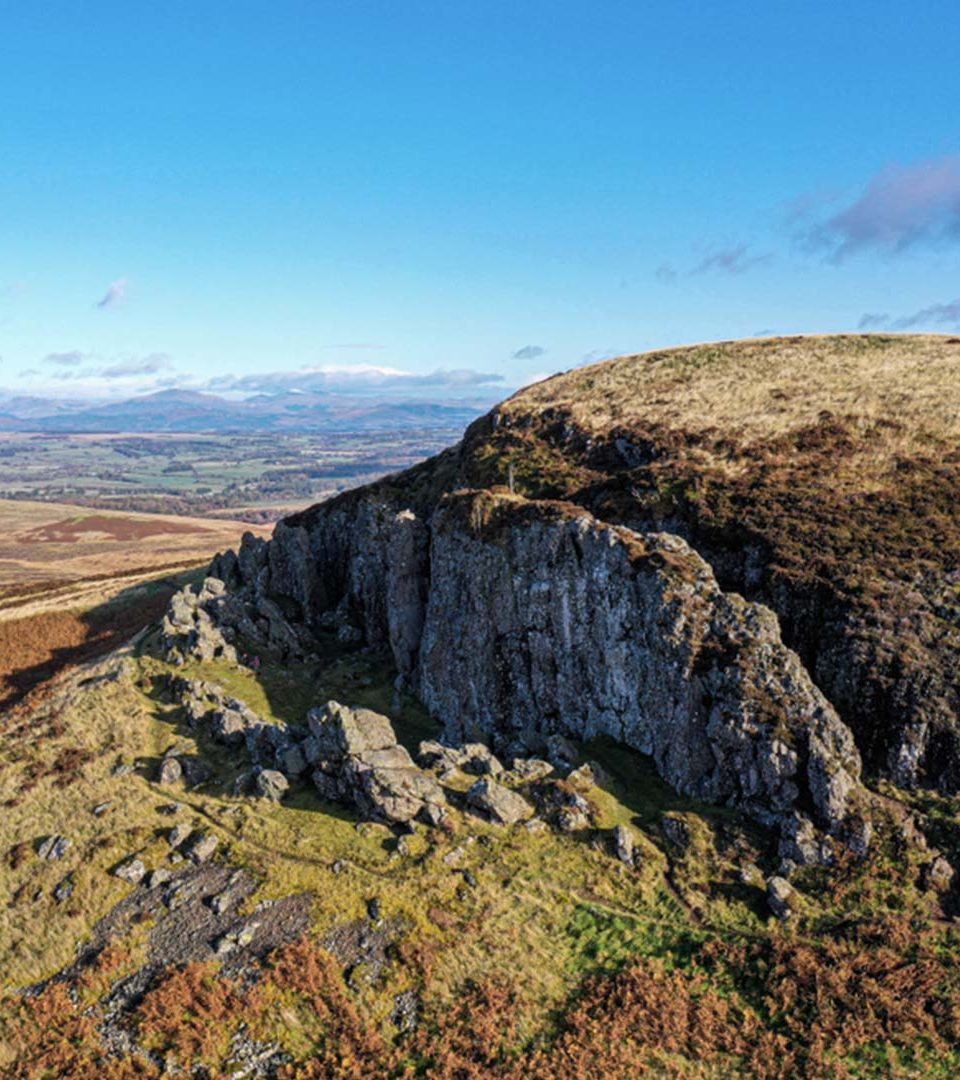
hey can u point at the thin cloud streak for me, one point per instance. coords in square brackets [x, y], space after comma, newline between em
[115, 295]
[734, 259]
[901, 207]
[73, 358]
[354, 380]
[529, 352]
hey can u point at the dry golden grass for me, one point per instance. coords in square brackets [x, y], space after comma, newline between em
[50, 542]
[761, 389]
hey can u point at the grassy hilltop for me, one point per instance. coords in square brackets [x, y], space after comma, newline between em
[817, 474]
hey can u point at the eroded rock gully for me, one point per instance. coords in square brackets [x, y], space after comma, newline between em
[516, 619]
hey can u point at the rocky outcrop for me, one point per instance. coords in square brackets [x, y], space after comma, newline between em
[191, 628]
[358, 760]
[520, 621]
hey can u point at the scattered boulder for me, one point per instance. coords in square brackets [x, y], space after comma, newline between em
[588, 775]
[160, 876]
[64, 889]
[782, 897]
[938, 875]
[360, 762]
[171, 771]
[560, 802]
[203, 847]
[800, 843]
[528, 770]
[229, 726]
[271, 784]
[178, 834]
[436, 755]
[498, 803]
[624, 846]
[53, 848]
[132, 870]
[478, 759]
[342, 732]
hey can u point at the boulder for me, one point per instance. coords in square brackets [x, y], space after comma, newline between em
[271, 784]
[171, 771]
[178, 834]
[479, 760]
[498, 803]
[203, 847]
[624, 845]
[528, 770]
[64, 889]
[132, 871]
[53, 848]
[341, 731]
[229, 726]
[435, 755]
[396, 793]
[360, 762]
[782, 897]
[938, 875]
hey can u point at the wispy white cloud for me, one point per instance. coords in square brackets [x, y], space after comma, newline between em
[115, 295]
[73, 358]
[355, 379]
[732, 259]
[133, 365]
[529, 352]
[932, 316]
[901, 207]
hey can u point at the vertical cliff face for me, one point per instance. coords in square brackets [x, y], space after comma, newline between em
[514, 619]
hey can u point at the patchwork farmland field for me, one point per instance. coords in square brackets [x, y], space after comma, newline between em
[256, 477]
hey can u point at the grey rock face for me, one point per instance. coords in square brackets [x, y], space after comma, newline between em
[529, 622]
[498, 803]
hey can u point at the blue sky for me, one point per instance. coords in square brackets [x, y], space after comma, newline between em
[241, 191]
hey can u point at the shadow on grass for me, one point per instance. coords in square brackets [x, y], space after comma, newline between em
[37, 648]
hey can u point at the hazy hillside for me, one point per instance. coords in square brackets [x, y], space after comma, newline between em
[191, 411]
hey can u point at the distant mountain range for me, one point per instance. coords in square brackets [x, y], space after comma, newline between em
[192, 411]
